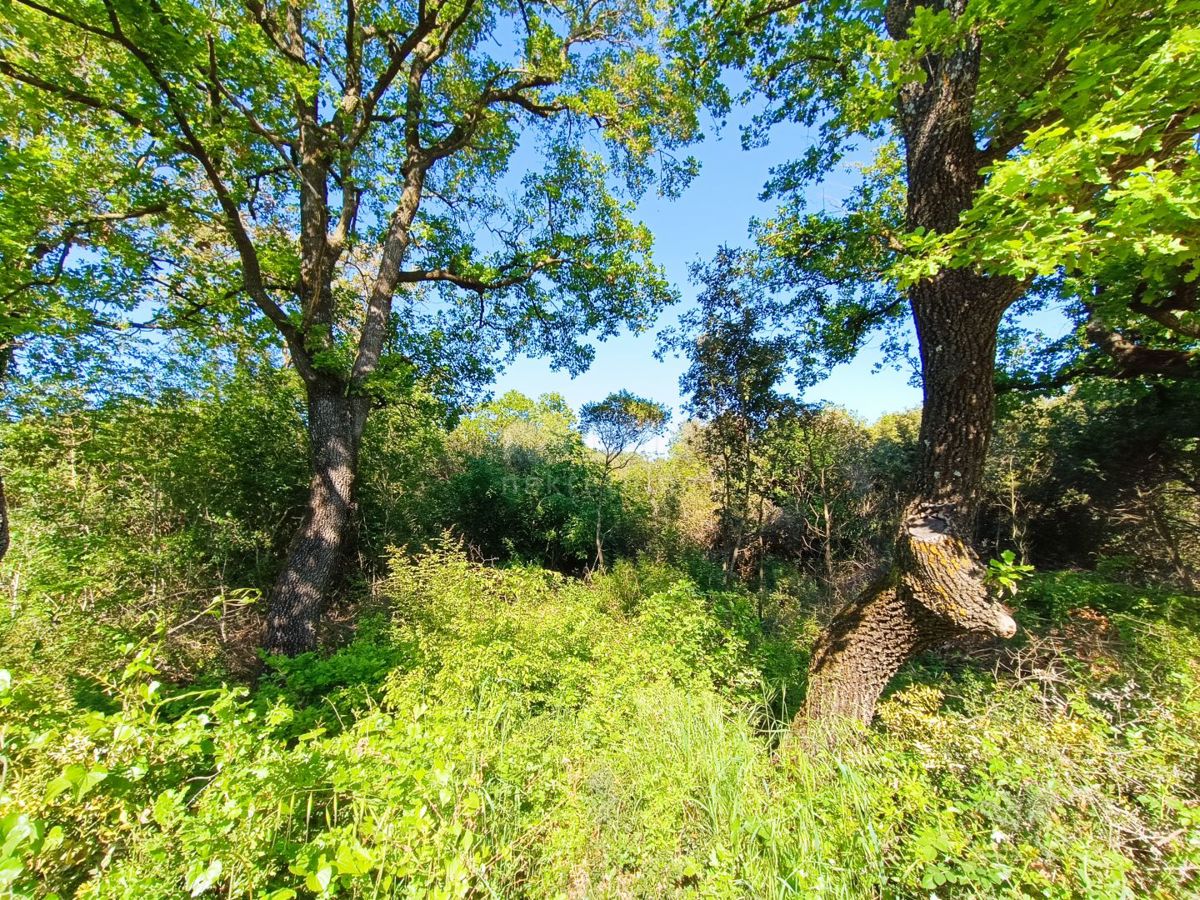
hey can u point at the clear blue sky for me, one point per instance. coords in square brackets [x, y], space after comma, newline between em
[715, 209]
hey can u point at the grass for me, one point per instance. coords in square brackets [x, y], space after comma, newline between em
[511, 733]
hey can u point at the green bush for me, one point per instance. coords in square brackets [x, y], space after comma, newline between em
[511, 732]
[134, 515]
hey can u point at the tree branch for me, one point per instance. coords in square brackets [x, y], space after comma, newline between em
[1134, 361]
[398, 55]
[9, 69]
[272, 33]
[71, 233]
[278, 142]
[462, 132]
[247, 252]
[475, 284]
[1185, 297]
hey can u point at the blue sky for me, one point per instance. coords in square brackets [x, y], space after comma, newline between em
[716, 209]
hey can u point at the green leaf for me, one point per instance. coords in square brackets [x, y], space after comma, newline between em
[204, 879]
[57, 786]
[353, 859]
[319, 881]
[89, 780]
[10, 870]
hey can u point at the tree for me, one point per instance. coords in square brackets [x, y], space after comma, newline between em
[961, 130]
[736, 366]
[1097, 208]
[622, 422]
[817, 479]
[323, 159]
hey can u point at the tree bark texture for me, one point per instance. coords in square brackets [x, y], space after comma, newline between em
[337, 413]
[935, 590]
[314, 556]
[933, 594]
[5, 535]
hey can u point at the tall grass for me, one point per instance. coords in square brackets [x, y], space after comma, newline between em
[510, 733]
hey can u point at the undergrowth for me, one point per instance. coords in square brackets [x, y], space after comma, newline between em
[510, 732]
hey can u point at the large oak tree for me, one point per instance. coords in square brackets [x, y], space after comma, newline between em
[1013, 141]
[378, 187]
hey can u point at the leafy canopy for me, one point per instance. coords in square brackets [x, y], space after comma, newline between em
[271, 165]
[1086, 116]
[739, 355]
[623, 421]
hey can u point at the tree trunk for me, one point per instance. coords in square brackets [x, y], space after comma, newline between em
[599, 529]
[5, 534]
[827, 519]
[762, 552]
[314, 556]
[860, 651]
[934, 591]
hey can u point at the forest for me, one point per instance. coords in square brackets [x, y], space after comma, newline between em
[302, 595]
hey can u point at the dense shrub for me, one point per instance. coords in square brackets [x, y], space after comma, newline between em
[134, 516]
[1103, 477]
[510, 732]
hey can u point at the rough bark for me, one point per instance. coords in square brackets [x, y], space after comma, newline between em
[859, 652]
[337, 413]
[5, 535]
[933, 594]
[314, 556]
[934, 591]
